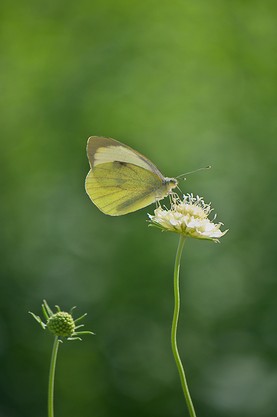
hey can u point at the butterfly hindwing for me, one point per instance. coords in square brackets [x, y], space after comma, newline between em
[118, 188]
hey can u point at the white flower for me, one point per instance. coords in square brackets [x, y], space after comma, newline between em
[188, 217]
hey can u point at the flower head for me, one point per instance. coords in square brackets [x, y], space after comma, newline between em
[61, 323]
[188, 217]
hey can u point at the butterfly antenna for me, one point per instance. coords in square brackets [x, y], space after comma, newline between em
[192, 172]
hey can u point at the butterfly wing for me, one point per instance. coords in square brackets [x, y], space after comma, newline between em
[121, 180]
[118, 188]
[101, 150]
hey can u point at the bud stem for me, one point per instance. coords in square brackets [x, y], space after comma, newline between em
[52, 377]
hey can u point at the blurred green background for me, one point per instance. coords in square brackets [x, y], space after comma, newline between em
[187, 83]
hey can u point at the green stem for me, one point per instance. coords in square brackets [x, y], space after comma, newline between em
[52, 377]
[174, 328]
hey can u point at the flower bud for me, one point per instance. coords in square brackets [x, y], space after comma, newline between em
[61, 324]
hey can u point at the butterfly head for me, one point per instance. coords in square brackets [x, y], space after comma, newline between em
[170, 183]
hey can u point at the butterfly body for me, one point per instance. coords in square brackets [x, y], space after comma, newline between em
[121, 180]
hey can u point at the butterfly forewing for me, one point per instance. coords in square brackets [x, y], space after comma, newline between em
[101, 150]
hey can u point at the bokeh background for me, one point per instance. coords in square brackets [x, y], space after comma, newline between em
[187, 83]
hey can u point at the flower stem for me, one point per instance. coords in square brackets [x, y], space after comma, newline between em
[52, 377]
[174, 328]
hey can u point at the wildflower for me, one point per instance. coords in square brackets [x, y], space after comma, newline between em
[188, 217]
[61, 324]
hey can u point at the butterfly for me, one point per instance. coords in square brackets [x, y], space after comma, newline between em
[121, 180]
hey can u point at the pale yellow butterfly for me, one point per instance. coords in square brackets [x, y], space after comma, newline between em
[120, 179]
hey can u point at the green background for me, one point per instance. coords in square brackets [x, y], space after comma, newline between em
[187, 83]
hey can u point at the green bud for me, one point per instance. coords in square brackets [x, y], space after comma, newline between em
[61, 324]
